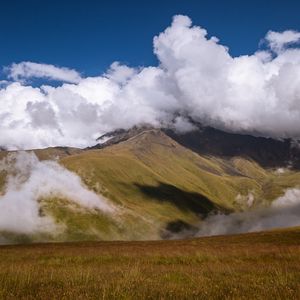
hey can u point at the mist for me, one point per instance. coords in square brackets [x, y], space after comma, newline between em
[196, 79]
[29, 180]
[283, 212]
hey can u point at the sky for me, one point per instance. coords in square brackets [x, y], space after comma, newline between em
[72, 71]
[89, 35]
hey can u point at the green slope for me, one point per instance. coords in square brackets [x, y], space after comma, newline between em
[159, 187]
[163, 185]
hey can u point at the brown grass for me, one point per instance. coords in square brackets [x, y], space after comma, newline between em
[249, 266]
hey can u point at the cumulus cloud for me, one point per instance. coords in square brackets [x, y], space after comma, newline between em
[283, 212]
[27, 69]
[120, 73]
[28, 181]
[196, 79]
[279, 40]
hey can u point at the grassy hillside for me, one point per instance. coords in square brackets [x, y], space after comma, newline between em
[251, 266]
[160, 187]
[50, 153]
[163, 185]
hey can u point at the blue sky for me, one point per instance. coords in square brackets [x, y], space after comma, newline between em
[61, 85]
[89, 35]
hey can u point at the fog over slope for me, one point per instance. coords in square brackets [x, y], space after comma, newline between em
[30, 180]
[196, 79]
[283, 212]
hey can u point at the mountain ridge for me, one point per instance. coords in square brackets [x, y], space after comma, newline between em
[162, 188]
[268, 152]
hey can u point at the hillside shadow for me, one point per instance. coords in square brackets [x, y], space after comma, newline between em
[184, 200]
[178, 229]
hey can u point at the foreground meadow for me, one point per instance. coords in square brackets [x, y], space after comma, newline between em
[249, 266]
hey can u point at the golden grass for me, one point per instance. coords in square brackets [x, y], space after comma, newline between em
[250, 266]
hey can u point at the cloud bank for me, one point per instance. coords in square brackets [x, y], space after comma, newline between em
[28, 181]
[196, 79]
[283, 212]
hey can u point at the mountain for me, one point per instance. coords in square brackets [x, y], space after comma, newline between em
[165, 183]
[267, 152]
[209, 141]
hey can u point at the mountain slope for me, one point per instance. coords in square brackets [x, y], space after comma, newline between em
[205, 140]
[268, 152]
[160, 181]
[160, 188]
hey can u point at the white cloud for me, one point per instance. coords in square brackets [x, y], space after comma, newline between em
[27, 69]
[279, 40]
[29, 180]
[283, 212]
[4, 83]
[196, 78]
[120, 73]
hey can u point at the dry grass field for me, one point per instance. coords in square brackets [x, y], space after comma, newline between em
[250, 266]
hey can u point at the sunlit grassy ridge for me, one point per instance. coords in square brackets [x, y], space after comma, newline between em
[158, 186]
[250, 266]
[160, 182]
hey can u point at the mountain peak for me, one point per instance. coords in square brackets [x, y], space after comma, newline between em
[120, 135]
[208, 141]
